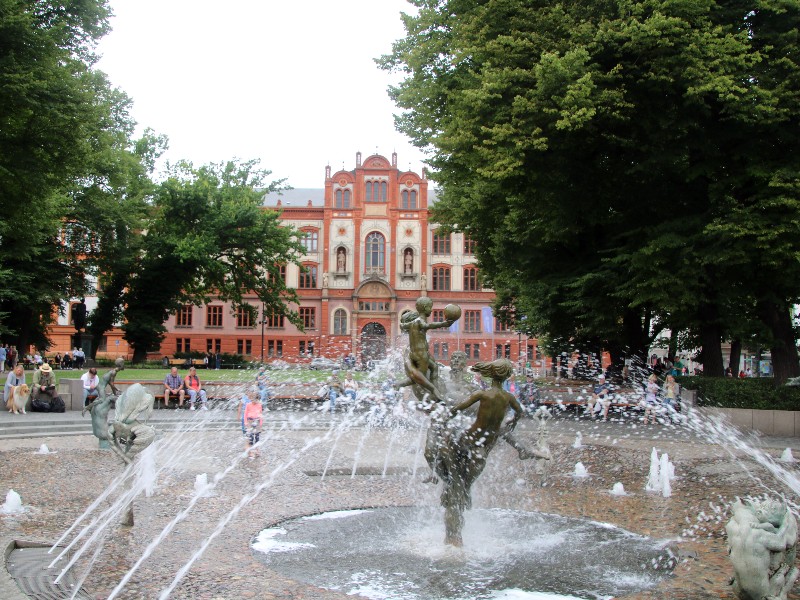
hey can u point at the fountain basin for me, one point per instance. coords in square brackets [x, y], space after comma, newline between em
[398, 553]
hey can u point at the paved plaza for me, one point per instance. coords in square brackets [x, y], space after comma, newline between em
[313, 462]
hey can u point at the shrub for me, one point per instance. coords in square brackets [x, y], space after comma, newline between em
[753, 392]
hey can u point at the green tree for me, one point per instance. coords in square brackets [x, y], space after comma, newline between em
[59, 118]
[627, 166]
[208, 236]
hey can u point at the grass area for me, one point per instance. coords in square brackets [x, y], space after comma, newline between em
[297, 375]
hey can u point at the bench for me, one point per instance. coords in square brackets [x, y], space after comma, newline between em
[575, 396]
[227, 393]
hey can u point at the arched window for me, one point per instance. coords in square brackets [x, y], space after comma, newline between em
[376, 191]
[308, 277]
[342, 199]
[409, 199]
[340, 322]
[471, 283]
[441, 279]
[375, 253]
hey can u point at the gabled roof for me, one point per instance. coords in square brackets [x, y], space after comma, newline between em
[297, 197]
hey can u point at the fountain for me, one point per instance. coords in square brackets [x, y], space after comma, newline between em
[377, 530]
[13, 504]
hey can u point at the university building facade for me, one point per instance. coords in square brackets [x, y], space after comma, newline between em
[370, 252]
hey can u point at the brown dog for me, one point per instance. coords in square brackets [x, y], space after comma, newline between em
[18, 398]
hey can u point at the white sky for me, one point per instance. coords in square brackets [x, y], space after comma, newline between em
[292, 83]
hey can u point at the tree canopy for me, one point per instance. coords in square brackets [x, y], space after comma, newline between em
[208, 236]
[628, 166]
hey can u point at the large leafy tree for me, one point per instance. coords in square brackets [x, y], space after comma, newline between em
[208, 236]
[627, 166]
[64, 151]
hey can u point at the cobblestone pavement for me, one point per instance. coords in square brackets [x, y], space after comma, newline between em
[56, 488]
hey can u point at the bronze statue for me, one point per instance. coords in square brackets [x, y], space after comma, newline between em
[421, 370]
[101, 405]
[458, 457]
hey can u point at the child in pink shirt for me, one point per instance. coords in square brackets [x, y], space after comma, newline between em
[253, 420]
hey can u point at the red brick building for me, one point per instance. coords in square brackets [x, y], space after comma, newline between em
[370, 253]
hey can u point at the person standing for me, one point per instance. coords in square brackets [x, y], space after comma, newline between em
[650, 399]
[3, 356]
[262, 383]
[217, 361]
[254, 419]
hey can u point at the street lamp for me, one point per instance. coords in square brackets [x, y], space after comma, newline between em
[262, 332]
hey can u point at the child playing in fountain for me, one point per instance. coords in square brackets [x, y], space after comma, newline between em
[254, 420]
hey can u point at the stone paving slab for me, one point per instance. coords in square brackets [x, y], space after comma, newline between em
[56, 489]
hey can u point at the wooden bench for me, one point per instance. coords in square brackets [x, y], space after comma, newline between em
[228, 393]
[577, 396]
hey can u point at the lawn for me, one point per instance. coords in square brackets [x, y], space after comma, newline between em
[298, 375]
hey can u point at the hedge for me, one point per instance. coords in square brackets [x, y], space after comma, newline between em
[752, 392]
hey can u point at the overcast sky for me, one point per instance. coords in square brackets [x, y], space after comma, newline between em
[293, 83]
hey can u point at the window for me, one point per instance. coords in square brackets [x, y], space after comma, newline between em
[437, 315]
[471, 283]
[500, 326]
[244, 346]
[309, 239]
[282, 272]
[376, 191]
[183, 345]
[275, 348]
[342, 199]
[275, 321]
[302, 348]
[472, 321]
[103, 345]
[375, 253]
[213, 345]
[244, 317]
[472, 351]
[340, 322]
[373, 306]
[441, 243]
[309, 317]
[409, 199]
[469, 245]
[441, 351]
[214, 315]
[308, 277]
[183, 317]
[502, 351]
[441, 279]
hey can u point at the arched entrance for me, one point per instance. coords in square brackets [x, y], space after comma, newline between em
[373, 341]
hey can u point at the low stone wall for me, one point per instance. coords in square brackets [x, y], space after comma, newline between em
[781, 423]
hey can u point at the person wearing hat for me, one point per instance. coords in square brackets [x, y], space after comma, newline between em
[44, 397]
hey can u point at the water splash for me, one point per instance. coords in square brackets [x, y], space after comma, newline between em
[618, 490]
[13, 504]
[580, 470]
[787, 456]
